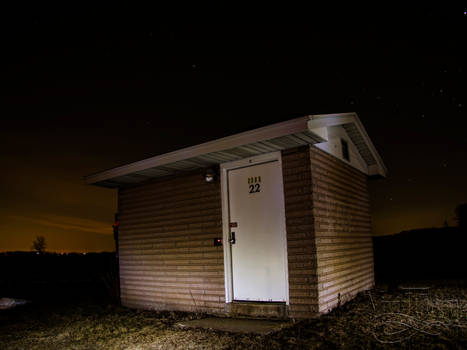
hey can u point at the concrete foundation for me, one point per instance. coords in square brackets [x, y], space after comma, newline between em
[257, 310]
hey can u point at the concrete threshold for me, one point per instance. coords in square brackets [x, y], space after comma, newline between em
[235, 325]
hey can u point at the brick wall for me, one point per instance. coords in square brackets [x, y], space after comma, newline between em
[342, 229]
[167, 227]
[167, 257]
[300, 235]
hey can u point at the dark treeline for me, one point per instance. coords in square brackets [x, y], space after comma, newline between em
[54, 277]
[421, 254]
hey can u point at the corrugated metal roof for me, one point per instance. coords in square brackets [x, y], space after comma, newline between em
[276, 137]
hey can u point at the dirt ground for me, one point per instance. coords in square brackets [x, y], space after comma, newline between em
[420, 318]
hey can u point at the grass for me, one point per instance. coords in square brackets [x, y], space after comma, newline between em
[430, 318]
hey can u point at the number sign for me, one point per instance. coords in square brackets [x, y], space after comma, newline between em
[254, 185]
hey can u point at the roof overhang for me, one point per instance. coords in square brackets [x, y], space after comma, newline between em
[357, 133]
[301, 131]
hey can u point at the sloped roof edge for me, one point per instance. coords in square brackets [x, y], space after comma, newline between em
[326, 120]
[298, 131]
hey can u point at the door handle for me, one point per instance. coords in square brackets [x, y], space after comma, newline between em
[232, 239]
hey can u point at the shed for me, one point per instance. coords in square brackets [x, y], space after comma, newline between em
[270, 222]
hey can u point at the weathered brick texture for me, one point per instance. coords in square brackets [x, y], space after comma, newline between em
[301, 249]
[342, 229]
[167, 227]
[167, 257]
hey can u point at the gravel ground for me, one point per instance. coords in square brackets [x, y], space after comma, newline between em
[420, 318]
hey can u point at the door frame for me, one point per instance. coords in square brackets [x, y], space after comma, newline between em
[224, 167]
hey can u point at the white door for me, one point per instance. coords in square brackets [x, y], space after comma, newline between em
[257, 221]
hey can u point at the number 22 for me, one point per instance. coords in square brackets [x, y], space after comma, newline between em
[254, 188]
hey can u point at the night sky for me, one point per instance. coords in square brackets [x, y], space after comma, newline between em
[82, 93]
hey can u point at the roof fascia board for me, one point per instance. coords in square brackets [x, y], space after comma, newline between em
[326, 120]
[379, 161]
[265, 133]
[376, 169]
